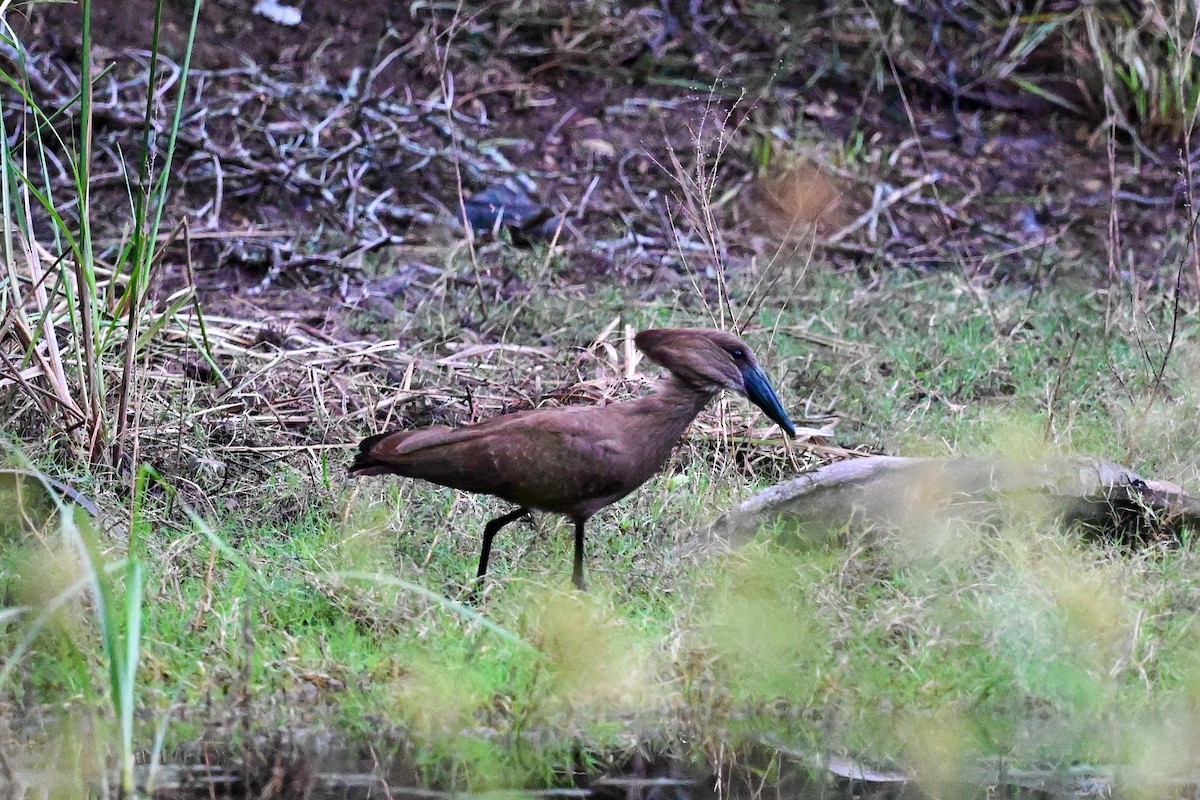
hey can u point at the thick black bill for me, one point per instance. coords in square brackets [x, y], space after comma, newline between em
[760, 392]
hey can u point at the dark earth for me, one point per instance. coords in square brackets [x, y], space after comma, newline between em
[311, 150]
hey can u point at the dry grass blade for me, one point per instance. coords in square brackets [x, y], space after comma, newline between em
[29, 339]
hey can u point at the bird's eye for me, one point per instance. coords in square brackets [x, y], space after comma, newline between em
[737, 352]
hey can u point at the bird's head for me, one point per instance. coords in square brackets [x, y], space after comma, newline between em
[710, 360]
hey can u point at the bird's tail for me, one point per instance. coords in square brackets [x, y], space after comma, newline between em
[366, 464]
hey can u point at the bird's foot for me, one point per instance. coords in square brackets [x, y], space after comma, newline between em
[473, 595]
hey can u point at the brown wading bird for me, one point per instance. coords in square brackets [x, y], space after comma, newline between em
[575, 460]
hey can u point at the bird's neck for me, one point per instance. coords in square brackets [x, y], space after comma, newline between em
[673, 406]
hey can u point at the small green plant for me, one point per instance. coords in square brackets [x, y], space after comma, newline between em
[118, 614]
[1135, 63]
[73, 332]
[1146, 68]
[115, 589]
[73, 329]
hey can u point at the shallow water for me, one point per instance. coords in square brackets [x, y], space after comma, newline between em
[301, 776]
[312, 764]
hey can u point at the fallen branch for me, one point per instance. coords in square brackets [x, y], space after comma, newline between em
[897, 493]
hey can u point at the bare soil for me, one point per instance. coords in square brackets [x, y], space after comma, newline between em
[335, 156]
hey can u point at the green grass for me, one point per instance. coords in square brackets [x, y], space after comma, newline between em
[1021, 641]
[926, 367]
[1028, 646]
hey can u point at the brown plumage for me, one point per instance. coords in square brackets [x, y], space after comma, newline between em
[575, 460]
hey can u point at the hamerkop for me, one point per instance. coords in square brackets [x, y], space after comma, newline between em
[575, 460]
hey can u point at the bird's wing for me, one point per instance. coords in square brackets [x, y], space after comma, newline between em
[549, 459]
[558, 459]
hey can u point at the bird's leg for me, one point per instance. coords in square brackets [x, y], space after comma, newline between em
[489, 532]
[577, 573]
